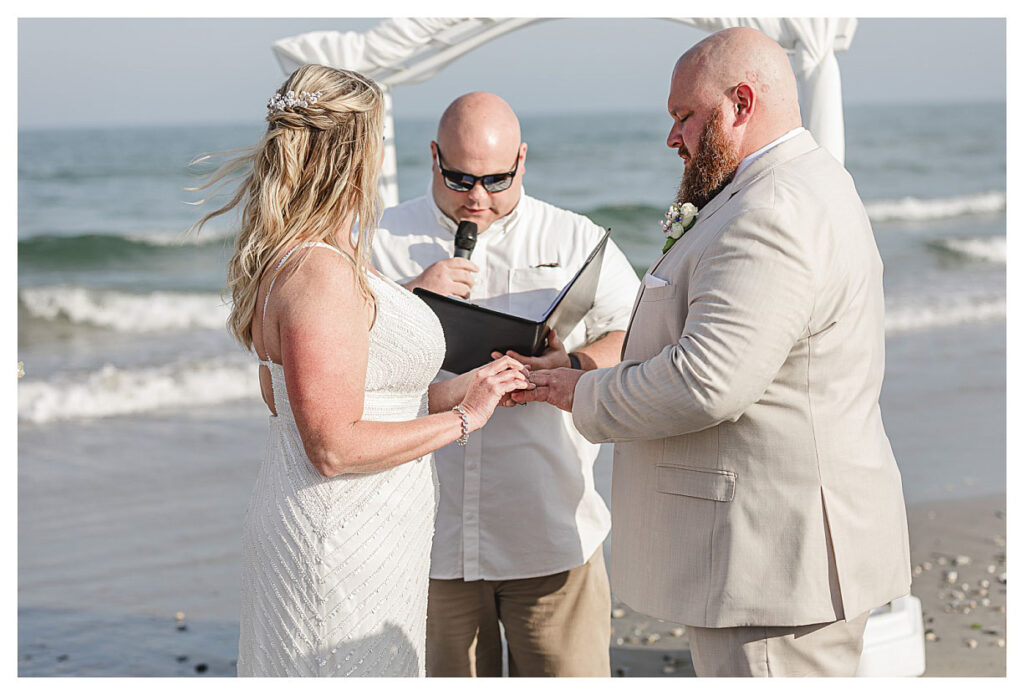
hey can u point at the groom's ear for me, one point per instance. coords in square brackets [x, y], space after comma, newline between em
[744, 98]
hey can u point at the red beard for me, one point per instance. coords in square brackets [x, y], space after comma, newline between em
[711, 168]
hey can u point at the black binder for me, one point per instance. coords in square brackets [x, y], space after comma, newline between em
[472, 332]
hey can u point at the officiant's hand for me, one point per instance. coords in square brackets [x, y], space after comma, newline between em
[450, 277]
[556, 386]
[553, 357]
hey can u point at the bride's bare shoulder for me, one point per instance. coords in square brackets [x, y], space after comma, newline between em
[317, 267]
[320, 282]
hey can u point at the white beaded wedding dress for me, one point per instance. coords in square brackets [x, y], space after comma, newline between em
[335, 570]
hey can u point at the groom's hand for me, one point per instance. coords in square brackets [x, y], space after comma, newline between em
[556, 386]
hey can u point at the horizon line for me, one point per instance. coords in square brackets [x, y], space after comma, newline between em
[420, 116]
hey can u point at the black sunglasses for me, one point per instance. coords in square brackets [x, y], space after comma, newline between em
[462, 182]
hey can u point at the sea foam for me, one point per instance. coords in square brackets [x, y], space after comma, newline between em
[112, 391]
[923, 209]
[124, 311]
[918, 315]
[992, 249]
[178, 238]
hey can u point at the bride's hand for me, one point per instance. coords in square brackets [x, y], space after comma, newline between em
[491, 384]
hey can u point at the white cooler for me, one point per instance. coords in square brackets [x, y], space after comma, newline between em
[894, 640]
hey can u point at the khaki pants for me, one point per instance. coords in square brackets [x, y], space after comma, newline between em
[558, 625]
[825, 649]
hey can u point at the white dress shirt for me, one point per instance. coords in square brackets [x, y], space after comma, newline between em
[518, 500]
[749, 159]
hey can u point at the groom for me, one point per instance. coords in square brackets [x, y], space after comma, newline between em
[755, 497]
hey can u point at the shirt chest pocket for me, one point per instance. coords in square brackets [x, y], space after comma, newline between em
[531, 290]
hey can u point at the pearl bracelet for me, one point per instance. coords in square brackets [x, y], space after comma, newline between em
[465, 425]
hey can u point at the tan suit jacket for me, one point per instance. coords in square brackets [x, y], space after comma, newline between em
[753, 481]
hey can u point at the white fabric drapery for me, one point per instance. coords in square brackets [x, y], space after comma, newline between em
[410, 50]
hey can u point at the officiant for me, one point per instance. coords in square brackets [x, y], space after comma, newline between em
[520, 526]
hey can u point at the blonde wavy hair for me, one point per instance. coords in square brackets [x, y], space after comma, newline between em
[316, 167]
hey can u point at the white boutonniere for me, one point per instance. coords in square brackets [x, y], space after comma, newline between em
[677, 222]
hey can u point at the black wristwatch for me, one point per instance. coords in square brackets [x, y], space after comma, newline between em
[574, 361]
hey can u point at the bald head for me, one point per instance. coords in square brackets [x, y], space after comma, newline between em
[741, 65]
[477, 126]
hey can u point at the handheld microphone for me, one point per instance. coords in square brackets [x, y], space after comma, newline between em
[465, 239]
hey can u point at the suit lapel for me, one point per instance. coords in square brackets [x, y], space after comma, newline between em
[706, 212]
[713, 205]
[629, 326]
[794, 147]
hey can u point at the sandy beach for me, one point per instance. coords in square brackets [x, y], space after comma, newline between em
[134, 572]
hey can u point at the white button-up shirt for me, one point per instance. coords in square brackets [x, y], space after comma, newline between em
[518, 500]
[750, 158]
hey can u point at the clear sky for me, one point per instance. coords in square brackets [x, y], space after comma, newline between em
[182, 71]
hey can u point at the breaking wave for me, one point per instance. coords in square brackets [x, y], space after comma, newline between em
[923, 209]
[124, 311]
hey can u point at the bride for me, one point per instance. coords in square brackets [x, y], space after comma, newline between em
[337, 534]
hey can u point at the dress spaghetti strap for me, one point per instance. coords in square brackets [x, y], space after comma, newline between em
[266, 300]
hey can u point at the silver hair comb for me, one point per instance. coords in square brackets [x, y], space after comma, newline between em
[281, 102]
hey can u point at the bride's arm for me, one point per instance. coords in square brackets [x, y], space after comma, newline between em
[446, 393]
[323, 326]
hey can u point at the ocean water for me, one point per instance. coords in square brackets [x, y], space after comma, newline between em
[120, 313]
[140, 425]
